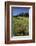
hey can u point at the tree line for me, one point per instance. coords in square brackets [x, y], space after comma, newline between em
[22, 14]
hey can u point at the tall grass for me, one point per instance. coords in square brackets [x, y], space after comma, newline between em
[20, 26]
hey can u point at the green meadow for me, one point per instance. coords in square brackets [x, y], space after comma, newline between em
[20, 26]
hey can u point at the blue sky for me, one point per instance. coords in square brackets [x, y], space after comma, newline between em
[18, 10]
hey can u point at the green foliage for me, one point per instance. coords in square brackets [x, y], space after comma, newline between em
[20, 26]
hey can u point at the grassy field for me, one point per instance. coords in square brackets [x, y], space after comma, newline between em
[20, 26]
